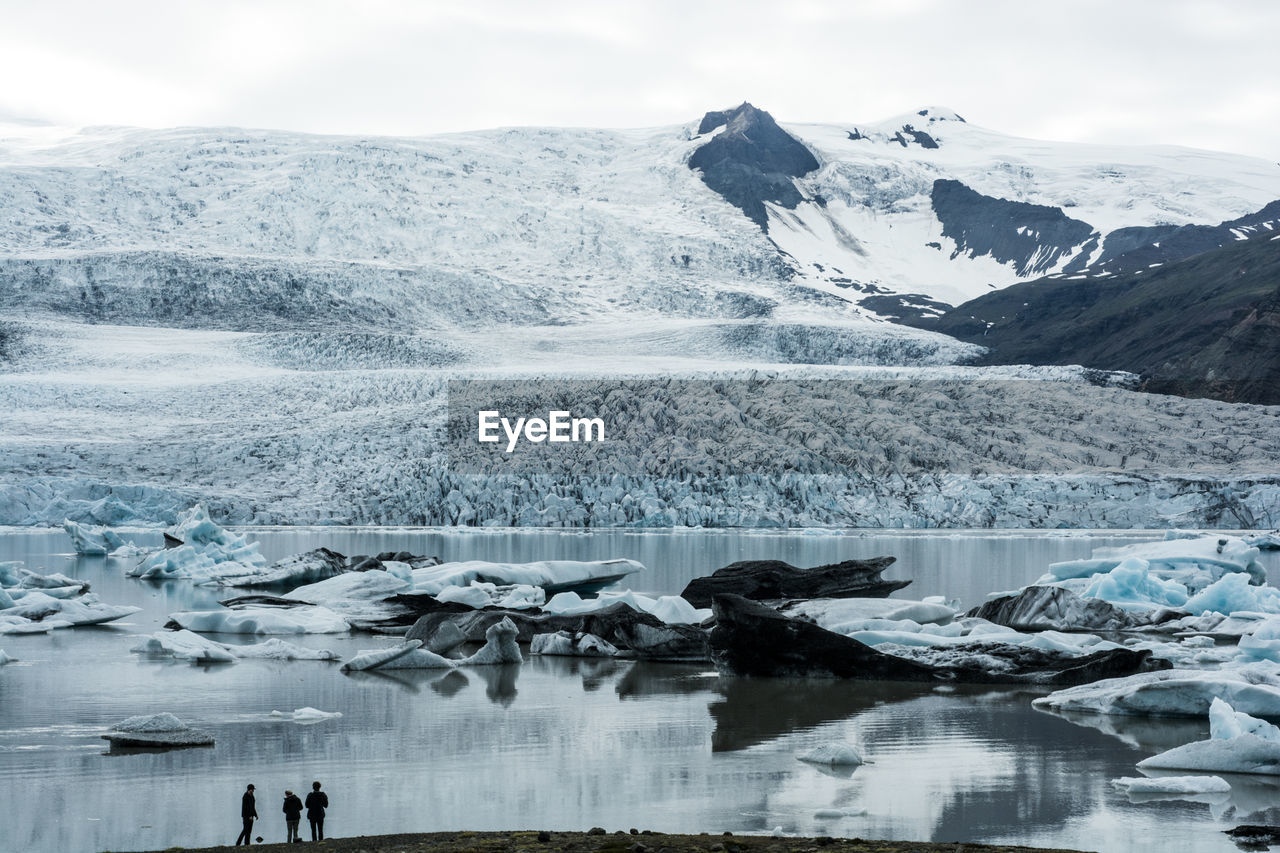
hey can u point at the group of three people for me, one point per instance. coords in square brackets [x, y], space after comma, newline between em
[317, 802]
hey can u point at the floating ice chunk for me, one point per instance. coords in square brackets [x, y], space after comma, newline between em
[4, 658]
[843, 615]
[828, 814]
[1254, 688]
[1194, 563]
[475, 595]
[523, 597]
[1131, 586]
[39, 606]
[1261, 643]
[353, 594]
[277, 649]
[419, 659]
[1238, 743]
[551, 575]
[307, 715]
[500, 646]
[13, 624]
[263, 620]
[1173, 785]
[156, 730]
[310, 567]
[833, 754]
[150, 723]
[210, 553]
[184, 645]
[188, 645]
[377, 657]
[1233, 593]
[28, 579]
[92, 541]
[572, 645]
[1264, 541]
[671, 609]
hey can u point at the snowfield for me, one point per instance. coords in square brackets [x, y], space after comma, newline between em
[266, 322]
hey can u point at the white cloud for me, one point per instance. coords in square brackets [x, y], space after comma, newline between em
[1143, 71]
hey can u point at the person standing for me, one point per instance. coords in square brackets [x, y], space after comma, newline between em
[317, 802]
[292, 814]
[248, 814]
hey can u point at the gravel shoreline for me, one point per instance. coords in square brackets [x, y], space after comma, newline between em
[619, 842]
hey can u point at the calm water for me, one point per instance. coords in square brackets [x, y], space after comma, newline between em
[565, 744]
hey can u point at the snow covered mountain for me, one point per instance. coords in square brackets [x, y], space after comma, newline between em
[267, 321]
[228, 228]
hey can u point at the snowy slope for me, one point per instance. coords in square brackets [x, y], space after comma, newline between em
[876, 223]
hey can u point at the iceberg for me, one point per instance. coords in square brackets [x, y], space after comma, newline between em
[1238, 743]
[379, 657]
[569, 644]
[207, 553]
[307, 568]
[93, 541]
[305, 619]
[1192, 562]
[500, 646]
[843, 615]
[833, 754]
[355, 595]
[670, 609]
[188, 645]
[4, 658]
[1255, 688]
[418, 659]
[156, 731]
[307, 715]
[1172, 785]
[553, 576]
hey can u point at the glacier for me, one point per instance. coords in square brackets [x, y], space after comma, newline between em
[270, 348]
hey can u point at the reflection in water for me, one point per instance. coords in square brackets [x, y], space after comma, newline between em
[755, 710]
[574, 743]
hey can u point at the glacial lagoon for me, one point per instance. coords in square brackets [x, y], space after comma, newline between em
[568, 744]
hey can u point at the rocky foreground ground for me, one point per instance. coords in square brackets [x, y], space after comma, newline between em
[620, 842]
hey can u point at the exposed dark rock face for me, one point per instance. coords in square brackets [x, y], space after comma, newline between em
[1127, 250]
[903, 307]
[752, 161]
[641, 634]
[1033, 237]
[750, 639]
[1055, 608]
[1206, 326]
[763, 580]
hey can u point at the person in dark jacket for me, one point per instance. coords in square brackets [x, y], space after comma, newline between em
[317, 802]
[292, 814]
[248, 814]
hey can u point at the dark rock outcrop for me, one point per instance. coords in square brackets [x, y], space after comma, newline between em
[1205, 326]
[640, 634]
[765, 580]
[750, 639]
[752, 161]
[1033, 237]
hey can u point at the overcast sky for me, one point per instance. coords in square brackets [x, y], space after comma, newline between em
[1187, 72]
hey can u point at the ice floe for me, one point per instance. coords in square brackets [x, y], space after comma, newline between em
[834, 754]
[306, 715]
[570, 644]
[156, 731]
[31, 603]
[188, 645]
[373, 659]
[304, 619]
[551, 575]
[1238, 743]
[1253, 688]
[671, 609]
[1172, 785]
